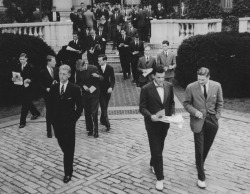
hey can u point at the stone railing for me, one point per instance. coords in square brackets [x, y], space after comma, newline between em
[55, 34]
[175, 30]
[244, 24]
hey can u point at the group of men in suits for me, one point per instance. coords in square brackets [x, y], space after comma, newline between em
[204, 102]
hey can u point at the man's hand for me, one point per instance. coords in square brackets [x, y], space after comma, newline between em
[109, 90]
[165, 68]
[154, 118]
[95, 75]
[199, 114]
[47, 89]
[135, 52]
[91, 51]
[85, 88]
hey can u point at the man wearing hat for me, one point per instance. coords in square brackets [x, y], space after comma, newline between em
[47, 77]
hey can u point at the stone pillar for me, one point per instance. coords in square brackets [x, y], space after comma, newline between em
[63, 6]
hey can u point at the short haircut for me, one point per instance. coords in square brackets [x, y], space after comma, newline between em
[103, 56]
[203, 71]
[72, 8]
[101, 25]
[23, 55]
[165, 42]
[49, 58]
[88, 6]
[124, 30]
[65, 67]
[136, 36]
[158, 69]
[147, 46]
[75, 33]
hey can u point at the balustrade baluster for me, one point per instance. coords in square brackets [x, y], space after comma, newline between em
[248, 26]
[30, 31]
[187, 31]
[25, 30]
[35, 32]
[19, 31]
[191, 29]
[40, 32]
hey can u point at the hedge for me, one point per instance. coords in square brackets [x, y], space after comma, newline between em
[11, 46]
[226, 54]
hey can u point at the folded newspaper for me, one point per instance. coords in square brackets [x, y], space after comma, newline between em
[174, 119]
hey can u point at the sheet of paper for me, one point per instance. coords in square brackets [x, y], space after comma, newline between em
[147, 72]
[175, 119]
[70, 49]
[103, 39]
[17, 77]
[92, 89]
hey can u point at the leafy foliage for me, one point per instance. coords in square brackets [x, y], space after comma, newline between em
[226, 54]
[11, 46]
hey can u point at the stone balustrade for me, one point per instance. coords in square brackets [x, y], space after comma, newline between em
[176, 30]
[55, 34]
[244, 24]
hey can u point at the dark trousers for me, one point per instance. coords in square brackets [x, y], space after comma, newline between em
[48, 116]
[124, 59]
[203, 142]
[103, 47]
[91, 105]
[27, 106]
[156, 142]
[134, 63]
[67, 145]
[104, 102]
[142, 33]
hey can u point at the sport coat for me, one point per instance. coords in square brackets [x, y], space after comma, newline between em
[150, 104]
[65, 109]
[45, 79]
[108, 78]
[92, 42]
[160, 13]
[139, 47]
[132, 32]
[76, 46]
[143, 64]
[195, 101]
[141, 19]
[167, 61]
[123, 50]
[89, 18]
[50, 16]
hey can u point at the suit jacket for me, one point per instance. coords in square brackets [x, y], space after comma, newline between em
[150, 104]
[45, 79]
[123, 50]
[27, 73]
[167, 61]
[50, 16]
[86, 78]
[141, 19]
[133, 47]
[159, 13]
[100, 13]
[132, 33]
[114, 21]
[195, 100]
[91, 42]
[65, 109]
[76, 46]
[89, 19]
[142, 64]
[108, 78]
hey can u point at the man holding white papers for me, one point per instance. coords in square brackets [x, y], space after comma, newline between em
[23, 75]
[88, 78]
[146, 64]
[204, 102]
[157, 96]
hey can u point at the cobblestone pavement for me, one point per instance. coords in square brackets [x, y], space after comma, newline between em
[118, 161]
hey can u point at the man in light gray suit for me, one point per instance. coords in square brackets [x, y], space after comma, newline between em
[204, 102]
[168, 60]
[89, 17]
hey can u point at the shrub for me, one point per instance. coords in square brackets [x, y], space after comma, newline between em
[226, 54]
[11, 46]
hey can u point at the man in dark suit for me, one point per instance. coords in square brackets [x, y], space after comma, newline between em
[115, 20]
[66, 108]
[160, 12]
[106, 88]
[145, 64]
[93, 47]
[168, 60]
[27, 73]
[104, 35]
[123, 48]
[47, 77]
[149, 16]
[131, 32]
[136, 49]
[157, 96]
[204, 102]
[54, 16]
[88, 78]
[102, 12]
[141, 23]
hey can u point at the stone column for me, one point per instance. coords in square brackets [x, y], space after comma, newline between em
[63, 6]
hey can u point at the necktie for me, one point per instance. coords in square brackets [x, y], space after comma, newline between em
[147, 59]
[62, 90]
[166, 54]
[159, 86]
[205, 91]
[52, 73]
[124, 38]
[22, 67]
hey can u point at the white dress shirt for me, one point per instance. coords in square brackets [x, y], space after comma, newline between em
[160, 91]
[103, 68]
[50, 71]
[202, 88]
[64, 86]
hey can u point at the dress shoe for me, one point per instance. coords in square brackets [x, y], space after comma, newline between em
[96, 134]
[201, 184]
[159, 185]
[108, 129]
[22, 125]
[90, 133]
[66, 179]
[152, 169]
[34, 117]
[49, 135]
